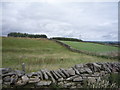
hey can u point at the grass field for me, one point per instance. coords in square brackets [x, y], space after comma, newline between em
[93, 47]
[41, 53]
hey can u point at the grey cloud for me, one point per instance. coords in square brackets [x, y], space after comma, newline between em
[89, 21]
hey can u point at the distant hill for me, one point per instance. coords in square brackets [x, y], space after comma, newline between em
[113, 43]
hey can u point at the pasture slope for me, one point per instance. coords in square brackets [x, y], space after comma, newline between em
[41, 53]
[98, 49]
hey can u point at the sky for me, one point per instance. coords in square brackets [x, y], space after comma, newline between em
[89, 21]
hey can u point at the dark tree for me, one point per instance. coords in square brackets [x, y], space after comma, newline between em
[66, 39]
[15, 34]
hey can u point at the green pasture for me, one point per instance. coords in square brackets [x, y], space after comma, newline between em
[92, 47]
[41, 53]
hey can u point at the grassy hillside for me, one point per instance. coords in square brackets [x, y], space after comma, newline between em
[93, 47]
[41, 53]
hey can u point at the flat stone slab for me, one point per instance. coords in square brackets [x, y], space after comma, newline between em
[70, 71]
[34, 80]
[78, 79]
[43, 83]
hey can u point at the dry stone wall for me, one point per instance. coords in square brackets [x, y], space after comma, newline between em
[78, 76]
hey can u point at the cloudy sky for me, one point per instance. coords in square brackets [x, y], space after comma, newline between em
[82, 20]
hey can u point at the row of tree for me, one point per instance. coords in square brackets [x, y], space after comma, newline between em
[66, 39]
[15, 34]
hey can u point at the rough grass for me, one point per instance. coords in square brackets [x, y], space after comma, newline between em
[41, 53]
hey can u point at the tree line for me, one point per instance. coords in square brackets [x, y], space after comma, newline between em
[15, 34]
[66, 39]
[18, 34]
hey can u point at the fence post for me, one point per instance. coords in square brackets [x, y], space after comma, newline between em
[23, 67]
